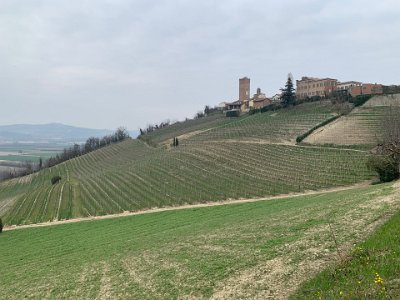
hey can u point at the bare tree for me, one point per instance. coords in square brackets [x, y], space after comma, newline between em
[386, 159]
[390, 144]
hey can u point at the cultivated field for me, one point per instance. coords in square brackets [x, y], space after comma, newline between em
[131, 176]
[21, 152]
[189, 127]
[362, 126]
[254, 250]
[282, 126]
[258, 250]
[218, 159]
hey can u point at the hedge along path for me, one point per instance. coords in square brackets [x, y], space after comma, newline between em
[188, 206]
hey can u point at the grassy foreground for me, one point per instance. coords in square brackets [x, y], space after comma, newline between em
[251, 250]
[372, 271]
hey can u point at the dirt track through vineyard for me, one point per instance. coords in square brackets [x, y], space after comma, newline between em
[189, 206]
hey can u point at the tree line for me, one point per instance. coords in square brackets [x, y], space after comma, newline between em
[208, 110]
[91, 144]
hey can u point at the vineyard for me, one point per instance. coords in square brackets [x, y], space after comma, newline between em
[362, 126]
[247, 157]
[273, 127]
[131, 176]
[281, 126]
[188, 127]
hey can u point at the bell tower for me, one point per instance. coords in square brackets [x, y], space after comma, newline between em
[244, 89]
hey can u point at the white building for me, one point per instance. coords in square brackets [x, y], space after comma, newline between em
[347, 85]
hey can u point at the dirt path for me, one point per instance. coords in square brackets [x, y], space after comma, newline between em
[188, 206]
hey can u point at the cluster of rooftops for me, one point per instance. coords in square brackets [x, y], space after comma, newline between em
[306, 87]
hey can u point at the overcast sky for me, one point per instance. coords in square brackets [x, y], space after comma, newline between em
[106, 63]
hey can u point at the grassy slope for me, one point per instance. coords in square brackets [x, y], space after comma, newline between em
[370, 272]
[261, 249]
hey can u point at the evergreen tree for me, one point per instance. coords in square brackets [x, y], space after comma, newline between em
[288, 96]
[206, 110]
[1, 226]
[176, 142]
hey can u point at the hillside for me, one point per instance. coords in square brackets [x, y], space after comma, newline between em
[362, 126]
[258, 250]
[281, 126]
[190, 126]
[131, 176]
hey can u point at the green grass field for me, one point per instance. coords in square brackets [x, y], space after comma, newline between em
[29, 152]
[251, 250]
[370, 271]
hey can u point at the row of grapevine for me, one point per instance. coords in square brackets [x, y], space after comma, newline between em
[131, 176]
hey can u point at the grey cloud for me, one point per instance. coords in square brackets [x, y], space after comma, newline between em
[168, 58]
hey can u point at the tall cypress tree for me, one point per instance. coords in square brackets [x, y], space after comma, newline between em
[288, 96]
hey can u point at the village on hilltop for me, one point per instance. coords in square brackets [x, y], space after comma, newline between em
[307, 88]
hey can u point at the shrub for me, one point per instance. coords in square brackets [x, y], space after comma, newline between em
[253, 111]
[233, 113]
[55, 179]
[360, 100]
[386, 167]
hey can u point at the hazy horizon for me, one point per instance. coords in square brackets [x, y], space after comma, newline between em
[104, 64]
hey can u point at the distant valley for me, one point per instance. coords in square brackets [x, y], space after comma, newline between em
[45, 133]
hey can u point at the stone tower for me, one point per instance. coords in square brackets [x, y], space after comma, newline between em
[244, 89]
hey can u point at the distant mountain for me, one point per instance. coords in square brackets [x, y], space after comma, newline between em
[53, 132]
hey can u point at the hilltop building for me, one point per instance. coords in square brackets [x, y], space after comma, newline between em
[366, 89]
[244, 89]
[245, 103]
[244, 97]
[276, 98]
[236, 105]
[310, 86]
[259, 100]
[347, 85]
